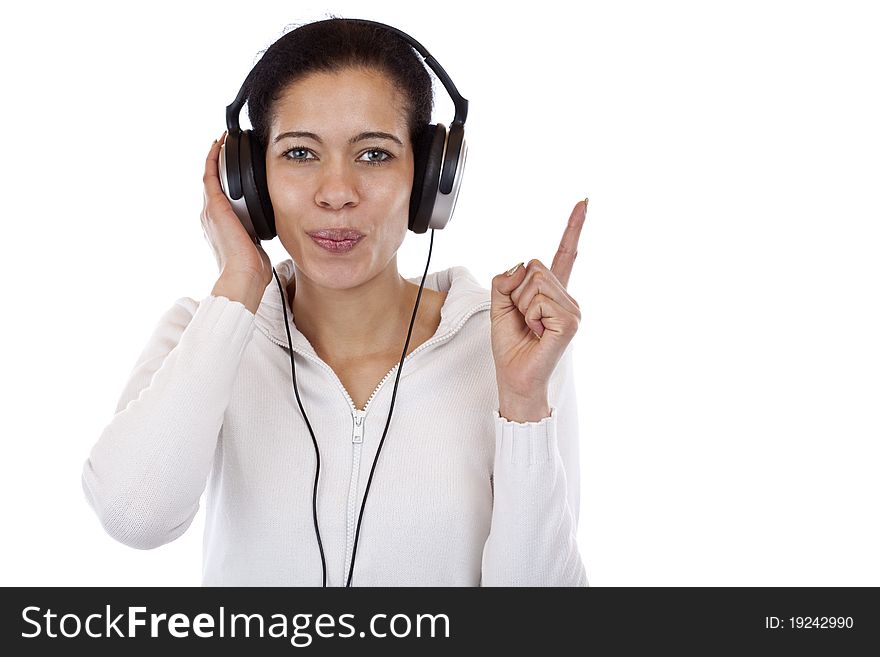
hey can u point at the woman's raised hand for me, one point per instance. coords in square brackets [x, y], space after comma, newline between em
[238, 256]
[534, 318]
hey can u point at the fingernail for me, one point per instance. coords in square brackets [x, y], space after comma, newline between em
[512, 270]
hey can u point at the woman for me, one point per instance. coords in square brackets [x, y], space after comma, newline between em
[478, 480]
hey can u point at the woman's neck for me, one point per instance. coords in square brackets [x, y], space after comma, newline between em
[369, 320]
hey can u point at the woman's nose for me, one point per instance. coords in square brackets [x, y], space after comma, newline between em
[337, 187]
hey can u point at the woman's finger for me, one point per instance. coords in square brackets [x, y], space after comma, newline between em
[212, 168]
[540, 280]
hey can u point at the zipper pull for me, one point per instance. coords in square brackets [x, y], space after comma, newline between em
[357, 435]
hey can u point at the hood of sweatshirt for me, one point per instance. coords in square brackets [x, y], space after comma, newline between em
[466, 296]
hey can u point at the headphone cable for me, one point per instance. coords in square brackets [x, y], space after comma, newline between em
[315, 442]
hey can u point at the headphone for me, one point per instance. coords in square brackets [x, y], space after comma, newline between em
[439, 155]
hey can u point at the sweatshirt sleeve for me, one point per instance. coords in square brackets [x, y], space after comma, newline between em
[533, 537]
[146, 473]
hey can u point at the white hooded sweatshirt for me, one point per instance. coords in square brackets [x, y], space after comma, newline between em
[460, 496]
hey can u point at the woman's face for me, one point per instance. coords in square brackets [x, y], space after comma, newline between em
[337, 177]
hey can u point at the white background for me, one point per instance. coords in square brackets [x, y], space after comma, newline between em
[728, 272]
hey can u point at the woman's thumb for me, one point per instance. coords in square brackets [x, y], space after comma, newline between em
[504, 284]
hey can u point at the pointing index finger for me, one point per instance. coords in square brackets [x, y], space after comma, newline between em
[563, 261]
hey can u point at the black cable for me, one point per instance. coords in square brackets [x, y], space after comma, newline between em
[384, 433]
[317, 453]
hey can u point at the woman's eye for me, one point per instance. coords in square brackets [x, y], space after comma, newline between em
[292, 154]
[380, 152]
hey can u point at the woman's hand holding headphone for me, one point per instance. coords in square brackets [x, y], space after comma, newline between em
[533, 320]
[238, 256]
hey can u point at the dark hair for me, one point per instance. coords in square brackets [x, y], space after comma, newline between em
[331, 46]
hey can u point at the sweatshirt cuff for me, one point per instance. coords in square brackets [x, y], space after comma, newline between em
[525, 443]
[226, 319]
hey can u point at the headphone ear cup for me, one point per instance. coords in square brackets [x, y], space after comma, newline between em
[453, 158]
[255, 186]
[428, 156]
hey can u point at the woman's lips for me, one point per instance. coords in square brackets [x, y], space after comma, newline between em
[342, 246]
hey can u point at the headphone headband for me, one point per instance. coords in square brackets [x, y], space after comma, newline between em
[233, 111]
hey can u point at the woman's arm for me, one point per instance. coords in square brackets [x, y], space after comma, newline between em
[145, 475]
[533, 538]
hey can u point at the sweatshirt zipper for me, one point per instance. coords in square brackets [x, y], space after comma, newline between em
[358, 418]
[352, 510]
